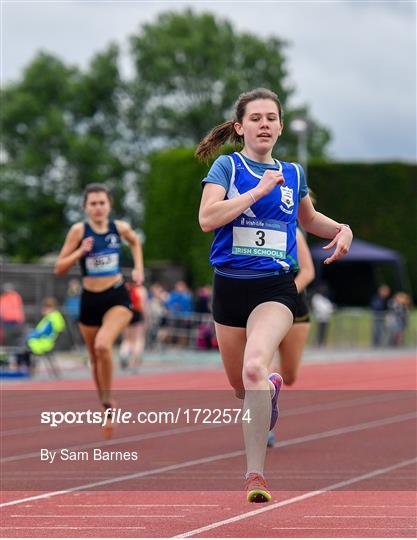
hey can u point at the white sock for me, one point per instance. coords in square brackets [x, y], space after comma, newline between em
[253, 472]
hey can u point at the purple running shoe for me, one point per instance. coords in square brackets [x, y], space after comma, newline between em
[277, 381]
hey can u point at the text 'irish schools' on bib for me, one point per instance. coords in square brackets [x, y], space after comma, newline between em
[259, 237]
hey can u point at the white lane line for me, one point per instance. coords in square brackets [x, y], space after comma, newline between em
[292, 500]
[360, 516]
[350, 429]
[343, 528]
[382, 398]
[126, 477]
[287, 413]
[210, 459]
[71, 528]
[375, 506]
[24, 431]
[127, 505]
[107, 516]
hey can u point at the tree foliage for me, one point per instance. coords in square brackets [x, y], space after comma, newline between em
[63, 127]
[59, 132]
[190, 69]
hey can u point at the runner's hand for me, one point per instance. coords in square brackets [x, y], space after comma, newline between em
[137, 276]
[342, 242]
[269, 180]
[87, 244]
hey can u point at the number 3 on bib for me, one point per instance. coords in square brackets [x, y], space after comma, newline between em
[259, 238]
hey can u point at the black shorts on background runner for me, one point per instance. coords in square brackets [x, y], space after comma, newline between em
[94, 305]
[302, 311]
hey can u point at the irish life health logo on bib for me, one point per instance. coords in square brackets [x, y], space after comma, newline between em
[259, 238]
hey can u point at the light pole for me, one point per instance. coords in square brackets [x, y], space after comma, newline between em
[300, 127]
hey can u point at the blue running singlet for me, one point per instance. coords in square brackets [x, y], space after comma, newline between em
[263, 238]
[103, 259]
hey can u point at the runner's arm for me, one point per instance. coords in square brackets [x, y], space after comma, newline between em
[306, 273]
[128, 234]
[72, 250]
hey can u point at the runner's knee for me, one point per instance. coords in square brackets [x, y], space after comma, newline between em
[101, 348]
[254, 370]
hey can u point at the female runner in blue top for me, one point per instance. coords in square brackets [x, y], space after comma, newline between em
[105, 303]
[251, 202]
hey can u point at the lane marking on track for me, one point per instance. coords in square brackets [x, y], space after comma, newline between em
[344, 528]
[24, 431]
[210, 459]
[382, 398]
[107, 516]
[72, 528]
[360, 516]
[117, 479]
[374, 505]
[130, 505]
[292, 500]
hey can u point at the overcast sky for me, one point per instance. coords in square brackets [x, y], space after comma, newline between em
[353, 62]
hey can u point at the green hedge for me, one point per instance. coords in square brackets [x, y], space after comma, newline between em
[172, 193]
[378, 200]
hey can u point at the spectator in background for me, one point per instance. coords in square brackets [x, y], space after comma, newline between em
[73, 300]
[157, 312]
[72, 305]
[203, 299]
[379, 306]
[323, 310]
[206, 335]
[180, 307]
[180, 300]
[12, 316]
[397, 318]
[42, 339]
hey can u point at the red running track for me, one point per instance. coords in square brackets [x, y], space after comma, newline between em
[328, 480]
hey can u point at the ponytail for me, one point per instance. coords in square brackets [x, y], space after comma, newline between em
[218, 136]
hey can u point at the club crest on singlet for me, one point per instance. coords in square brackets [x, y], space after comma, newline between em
[112, 240]
[287, 196]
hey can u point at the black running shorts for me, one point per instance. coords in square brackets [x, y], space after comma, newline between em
[137, 317]
[94, 305]
[302, 311]
[235, 299]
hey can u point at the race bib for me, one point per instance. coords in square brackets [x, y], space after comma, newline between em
[102, 263]
[259, 237]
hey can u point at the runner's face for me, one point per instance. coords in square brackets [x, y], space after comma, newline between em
[260, 126]
[98, 206]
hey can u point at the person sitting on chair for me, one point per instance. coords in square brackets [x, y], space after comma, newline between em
[42, 339]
